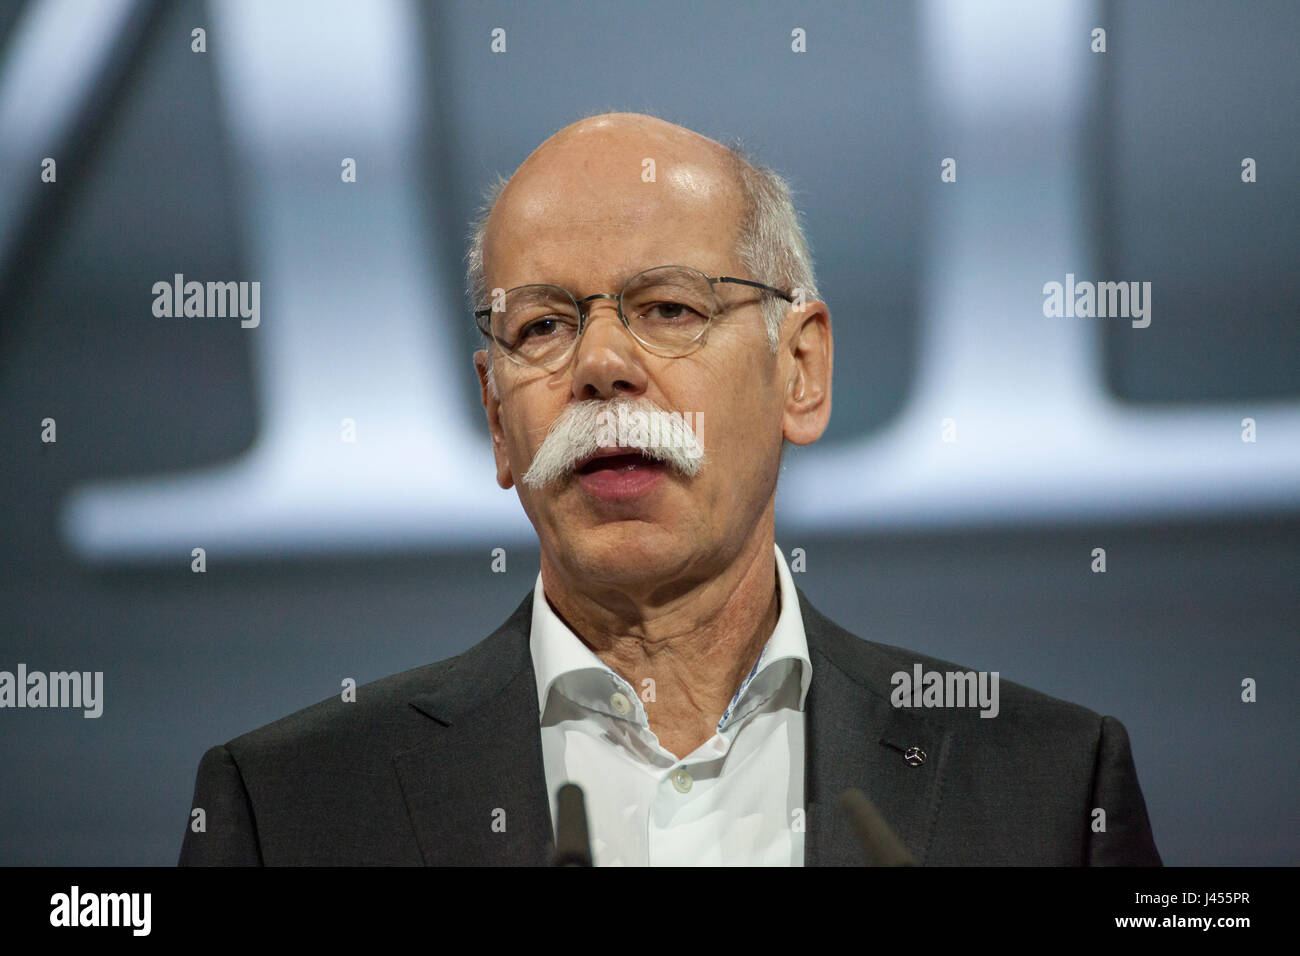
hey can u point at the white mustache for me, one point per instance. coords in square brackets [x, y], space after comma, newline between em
[584, 427]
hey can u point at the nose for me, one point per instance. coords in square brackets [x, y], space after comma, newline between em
[607, 360]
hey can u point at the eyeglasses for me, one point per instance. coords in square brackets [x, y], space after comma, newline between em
[667, 309]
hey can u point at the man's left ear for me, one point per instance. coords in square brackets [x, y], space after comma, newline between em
[809, 354]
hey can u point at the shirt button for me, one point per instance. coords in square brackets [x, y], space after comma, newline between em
[682, 780]
[622, 706]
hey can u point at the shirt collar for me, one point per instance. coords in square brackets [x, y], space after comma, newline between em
[557, 651]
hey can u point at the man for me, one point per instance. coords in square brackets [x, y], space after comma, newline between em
[664, 660]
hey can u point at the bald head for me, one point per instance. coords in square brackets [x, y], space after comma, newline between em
[592, 179]
[618, 171]
[612, 148]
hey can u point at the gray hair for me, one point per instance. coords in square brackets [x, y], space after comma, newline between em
[770, 243]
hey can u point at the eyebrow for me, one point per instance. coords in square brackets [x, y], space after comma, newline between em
[620, 280]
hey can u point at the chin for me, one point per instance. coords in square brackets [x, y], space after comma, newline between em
[623, 550]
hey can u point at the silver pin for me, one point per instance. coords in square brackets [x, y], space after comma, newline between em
[914, 756]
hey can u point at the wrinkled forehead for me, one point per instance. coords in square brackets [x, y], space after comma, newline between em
[579, 219]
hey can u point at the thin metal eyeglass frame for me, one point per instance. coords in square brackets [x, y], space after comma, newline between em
[480, 314]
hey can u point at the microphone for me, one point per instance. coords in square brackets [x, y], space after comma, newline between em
[880, 844]
[572, 846]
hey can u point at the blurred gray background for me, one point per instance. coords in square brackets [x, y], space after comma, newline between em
[327, 560]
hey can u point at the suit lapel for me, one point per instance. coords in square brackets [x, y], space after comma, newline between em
[856, 738]
[476, 791]
[483, 716]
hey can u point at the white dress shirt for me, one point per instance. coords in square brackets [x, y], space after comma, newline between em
[736, 800]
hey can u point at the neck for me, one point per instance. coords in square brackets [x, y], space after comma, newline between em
[695, 646]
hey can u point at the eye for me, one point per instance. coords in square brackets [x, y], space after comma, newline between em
[670, 312]
[539, 328]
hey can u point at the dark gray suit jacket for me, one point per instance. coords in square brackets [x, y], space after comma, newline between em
[418, 768]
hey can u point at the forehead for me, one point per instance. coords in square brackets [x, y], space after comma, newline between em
[588, 223]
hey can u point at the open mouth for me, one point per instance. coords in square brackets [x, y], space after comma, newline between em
[622, 459]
